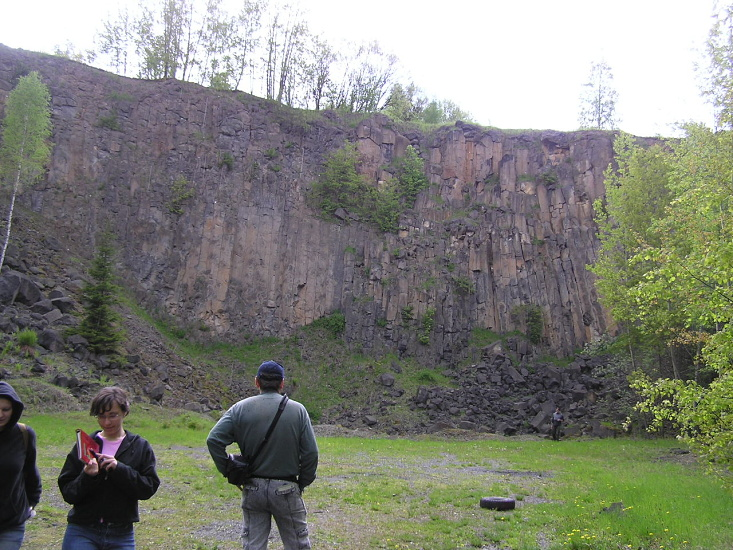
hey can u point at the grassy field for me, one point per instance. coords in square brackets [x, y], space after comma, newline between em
[420, 494]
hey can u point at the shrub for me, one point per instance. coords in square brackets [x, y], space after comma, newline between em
[180, 191]
[409, 173]
[334, 323]
[110, 122]
[428, 321]
[408, 314]
[226, 159]
[341, 186]
[27, 340]
[427, 376]
[463, 285]
[530, 315]
[550, 177]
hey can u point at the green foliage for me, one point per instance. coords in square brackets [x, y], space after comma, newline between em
[27, 340]
[409, 173]
[220, 81]
[481, 337]
[430, 377]
[463, 285]
[443, 112]
[638, 194]
[226, 160]
[26, 337]
[181, 191]
[598, 101]
[26, 129]
[666, 268]
[341, 186]
[109, 121]
[549, 177]
[428, 321]
[408, 104]
[428, 283]
[335, 324]
[719, 73]
[25, 149]
[100, 324]
[530, 316]
[202, 42]
[271, 153]
[405, 104]
[703, 415]
[408, 314]
[10, 348]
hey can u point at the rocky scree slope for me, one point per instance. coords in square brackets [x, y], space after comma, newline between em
[40, 288]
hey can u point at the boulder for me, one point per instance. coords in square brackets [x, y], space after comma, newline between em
[51, 339]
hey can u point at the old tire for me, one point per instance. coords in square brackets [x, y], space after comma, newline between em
[498, 503]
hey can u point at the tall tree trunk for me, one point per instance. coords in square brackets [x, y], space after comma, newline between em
[675, 370]
[10, 217]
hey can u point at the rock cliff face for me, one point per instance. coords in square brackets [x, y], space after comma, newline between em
[205, 191]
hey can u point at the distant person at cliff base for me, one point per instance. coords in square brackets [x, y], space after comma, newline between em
[20, 481]
[105, 491]
[284, 467]
[557, 420]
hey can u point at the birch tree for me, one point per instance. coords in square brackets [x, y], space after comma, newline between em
[25, 149]
[598, 100]
[286, 33]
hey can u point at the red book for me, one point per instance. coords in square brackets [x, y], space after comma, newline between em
[86, 447]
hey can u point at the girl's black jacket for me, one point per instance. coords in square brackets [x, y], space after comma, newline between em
[20, 481]
[112, 495]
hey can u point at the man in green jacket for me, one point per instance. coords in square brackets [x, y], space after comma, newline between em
[284, 467]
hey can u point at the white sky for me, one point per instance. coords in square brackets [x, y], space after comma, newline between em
[510, 63]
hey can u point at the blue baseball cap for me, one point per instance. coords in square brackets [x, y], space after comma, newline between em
[271, 370]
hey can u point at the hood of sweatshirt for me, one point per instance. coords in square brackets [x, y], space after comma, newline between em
[7, 391]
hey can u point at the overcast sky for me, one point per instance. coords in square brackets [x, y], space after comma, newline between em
[510, 63]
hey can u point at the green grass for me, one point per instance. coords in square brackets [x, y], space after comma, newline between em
[420, 494]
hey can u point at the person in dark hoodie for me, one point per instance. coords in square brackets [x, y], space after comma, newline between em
[20, 481]
[105, 491]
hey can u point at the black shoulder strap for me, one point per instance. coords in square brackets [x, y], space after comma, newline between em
[24, 431]
[280, 409]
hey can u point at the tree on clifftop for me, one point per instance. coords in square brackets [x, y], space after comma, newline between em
[598, 100]
[25, 149]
